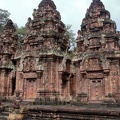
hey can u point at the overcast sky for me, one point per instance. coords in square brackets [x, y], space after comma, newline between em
[72, 11]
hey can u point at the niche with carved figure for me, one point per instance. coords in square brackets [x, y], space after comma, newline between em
[29, 64]
[94, 64]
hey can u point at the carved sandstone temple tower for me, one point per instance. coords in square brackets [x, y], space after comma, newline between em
[8, 43]
[40, 66]
[43, 65]
[97, 57]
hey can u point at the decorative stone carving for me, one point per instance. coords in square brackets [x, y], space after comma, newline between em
[40, 65]
[29, 64]
[97, 53]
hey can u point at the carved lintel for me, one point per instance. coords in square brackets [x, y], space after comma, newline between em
[30, 75]
[83, 72]
[106, 71]
[95, 75]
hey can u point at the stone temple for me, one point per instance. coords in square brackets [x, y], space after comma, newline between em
[40, 72]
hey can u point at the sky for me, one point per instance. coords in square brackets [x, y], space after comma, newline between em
[72, 11]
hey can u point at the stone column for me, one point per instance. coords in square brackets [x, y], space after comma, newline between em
[19, 82]
[51, 75]
[60, 83]
[10, 87]
[19, 77]
[3, 81]
[39, 83]
[89, 92]
[25, 88]
[57, 75]
[78, 78]
[68, 91]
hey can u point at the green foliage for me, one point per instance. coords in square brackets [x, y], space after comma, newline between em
[71, 35]
[4, 15]
[1, 27]
[21, 31]
[15, 25]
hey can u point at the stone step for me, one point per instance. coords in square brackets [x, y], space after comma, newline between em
[2, 117]
[5, 113]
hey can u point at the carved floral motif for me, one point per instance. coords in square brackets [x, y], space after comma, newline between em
[95, 75]
[29, 64]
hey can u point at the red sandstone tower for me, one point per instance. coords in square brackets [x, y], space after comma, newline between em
[97, 57]
[40, 67]
[43, 65]
[8, 46]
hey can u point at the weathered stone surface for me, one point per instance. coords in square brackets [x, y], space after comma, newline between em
[41, 69]
[44, 52]
[8, 47]
[98, 56]
[68, 113]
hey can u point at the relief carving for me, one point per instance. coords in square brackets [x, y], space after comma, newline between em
[95, 75]
[4, 61]
[29, 64]
[92, 64]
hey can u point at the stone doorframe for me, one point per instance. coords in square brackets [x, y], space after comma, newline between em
[95, 89]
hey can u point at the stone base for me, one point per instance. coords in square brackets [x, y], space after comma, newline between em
[72, 113]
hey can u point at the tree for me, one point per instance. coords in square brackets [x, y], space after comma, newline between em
[71, 35]
[4, 16]
[21, 31]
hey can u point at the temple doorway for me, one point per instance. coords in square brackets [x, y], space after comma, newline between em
[64, 88]
[95, 90]
[13, 85]
[31, 88]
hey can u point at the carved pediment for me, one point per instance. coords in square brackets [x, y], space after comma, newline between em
[29, 64]
[92, 64]
[30, 75]
[95, 75]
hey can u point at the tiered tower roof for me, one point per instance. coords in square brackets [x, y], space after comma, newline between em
[95, 28]
[47, 2]
[46, 30]
[8, 45]
[9, 26]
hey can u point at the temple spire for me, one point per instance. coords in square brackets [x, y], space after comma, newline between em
[9, 26]
[96, 0]
[47, 2]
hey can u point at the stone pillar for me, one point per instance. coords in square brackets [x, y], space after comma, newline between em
[68, 91]
[60, 84]
[10, 87]
[19, 77]
[3, 82]
[51, 75]
[89, 89]
[39, 83]
[54, 78]
[106, 85]
[25, 88]
[19, 82]
[57, 75]
[8, 84]
[78, 78]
